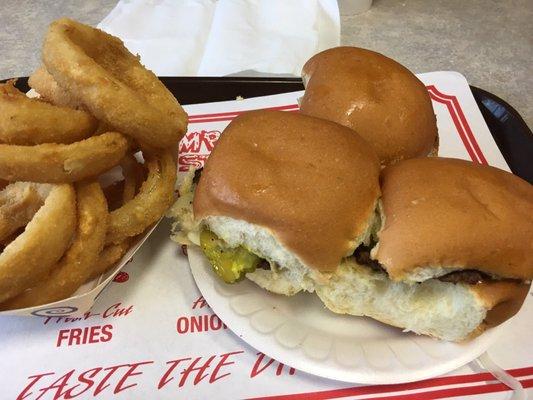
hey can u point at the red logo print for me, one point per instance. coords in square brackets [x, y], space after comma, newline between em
[195, 148]
[121, 277]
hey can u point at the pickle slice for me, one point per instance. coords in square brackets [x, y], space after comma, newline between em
[231, 264]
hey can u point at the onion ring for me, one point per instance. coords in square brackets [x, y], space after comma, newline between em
[133, 177]
[59, 163]
[77, 264]
[113, 194]
[25, 121]
[44, 84]
[120, 192]
[26, 260]
[148, 206]
[109, 257]
[19, 202]
[5, 241]
[112, 84]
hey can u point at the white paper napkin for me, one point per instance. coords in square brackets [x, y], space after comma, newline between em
[214, 38]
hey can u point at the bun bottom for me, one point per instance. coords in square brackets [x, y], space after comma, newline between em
[447, 311]
[276, 282]
[290, 274]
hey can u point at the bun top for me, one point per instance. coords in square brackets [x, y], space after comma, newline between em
[375, 96]
[313, 183]
[443, 214]
[502, 299]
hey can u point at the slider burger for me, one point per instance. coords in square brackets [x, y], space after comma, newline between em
[375, 96]
[454, 255]
[283, 198]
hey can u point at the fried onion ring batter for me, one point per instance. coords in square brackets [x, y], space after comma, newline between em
[43, 83]
[133, 177]
[59, 163]
[78, 262]
[155, 196]
[112, 84]
[25, 261]
[19, 202]
[25, 121]
[109, 257]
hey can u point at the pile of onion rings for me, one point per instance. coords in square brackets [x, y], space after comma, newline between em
[65, 217]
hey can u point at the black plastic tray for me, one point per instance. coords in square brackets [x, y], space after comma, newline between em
[511, 133]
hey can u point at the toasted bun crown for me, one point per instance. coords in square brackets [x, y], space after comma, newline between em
[373, 95]
[443, 212]
[311, 182]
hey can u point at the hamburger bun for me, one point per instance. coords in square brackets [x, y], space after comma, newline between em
[444, 310]
[453, 256]
[443, 215]
[375, 96]
[298, 191]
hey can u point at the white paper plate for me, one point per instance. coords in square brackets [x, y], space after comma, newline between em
[298, 331]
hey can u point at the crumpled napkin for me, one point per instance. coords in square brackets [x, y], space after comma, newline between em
[216, 38]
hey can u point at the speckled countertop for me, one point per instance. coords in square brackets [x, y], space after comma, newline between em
[488, 41]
